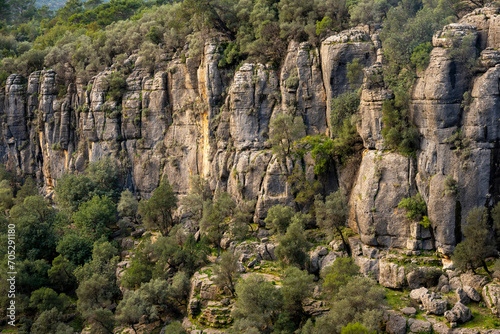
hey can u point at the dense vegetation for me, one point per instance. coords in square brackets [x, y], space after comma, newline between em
[67, 251]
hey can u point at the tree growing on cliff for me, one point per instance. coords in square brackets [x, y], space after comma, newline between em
[284, 131]
[226, 272]
[199, 192]
[477, 244]
[157, 212]
[216, 218]
[332, 213]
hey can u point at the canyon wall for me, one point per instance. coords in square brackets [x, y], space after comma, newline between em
[190, 117]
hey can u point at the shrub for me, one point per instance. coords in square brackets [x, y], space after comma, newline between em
[343, 106]
[292, 82]
[477, 244]
[115, 84]
[293, 246]
[278, 218]
[450, 186]
[421, 56]
[414, 206]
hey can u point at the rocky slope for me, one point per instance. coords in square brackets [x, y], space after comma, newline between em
[191, 117]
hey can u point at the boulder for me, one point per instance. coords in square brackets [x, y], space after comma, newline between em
[396, 324]
[417, 294]
[445, 289]
[419, 326]
[491, 296]
[462, 296]
[409, 311]
[473, 280]
[443, 280]
[329, 259]
[458, 314]
[455, 283]
[423, 276]
[472, 293]
[391, 275]
[138, 233]
[433, 303]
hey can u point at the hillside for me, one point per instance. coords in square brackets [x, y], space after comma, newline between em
[197, 155]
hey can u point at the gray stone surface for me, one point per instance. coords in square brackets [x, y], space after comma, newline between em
[459, 313]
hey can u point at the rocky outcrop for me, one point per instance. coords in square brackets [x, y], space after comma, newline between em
[391, 275]
[191, 117]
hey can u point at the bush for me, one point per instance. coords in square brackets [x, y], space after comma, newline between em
[95, 217]
[278, 218]
[339, 274]
[292, 82]
[293, 246]
[421, 56]
[115, 84]
[158, 210]
[450, 186]
[399, 134]
[343, 107]
[414, 206]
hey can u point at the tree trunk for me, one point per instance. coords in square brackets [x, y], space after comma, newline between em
[346, 245]
[486, 268]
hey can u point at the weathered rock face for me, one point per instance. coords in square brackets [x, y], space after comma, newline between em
[491, 296]
[192, 117]
[384, 179]
[391, 275]
[459, 313]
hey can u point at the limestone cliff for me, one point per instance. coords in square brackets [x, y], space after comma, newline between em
[191, 117]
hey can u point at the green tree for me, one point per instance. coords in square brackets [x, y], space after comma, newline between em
[151, 298]
[51, 322]
[199, 192]
[6, 196]
[72, 190]
[216, 218]
[95, 217]
[178, 251]
[297, 286]
[284, 130]
[477, 243]
[26, 190]
[226, 272]
[104, 176]
[45, 299]
[34, 220]
[258, 304]
[332, 214]
[339, 274]
[140, 271]
[360, 300]
[242, 219]
[128, 205]
[61, 274]
[292, 246]
[278, 218]
[75, 247]
[31, 275]
[104, 260]
[158, 210]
